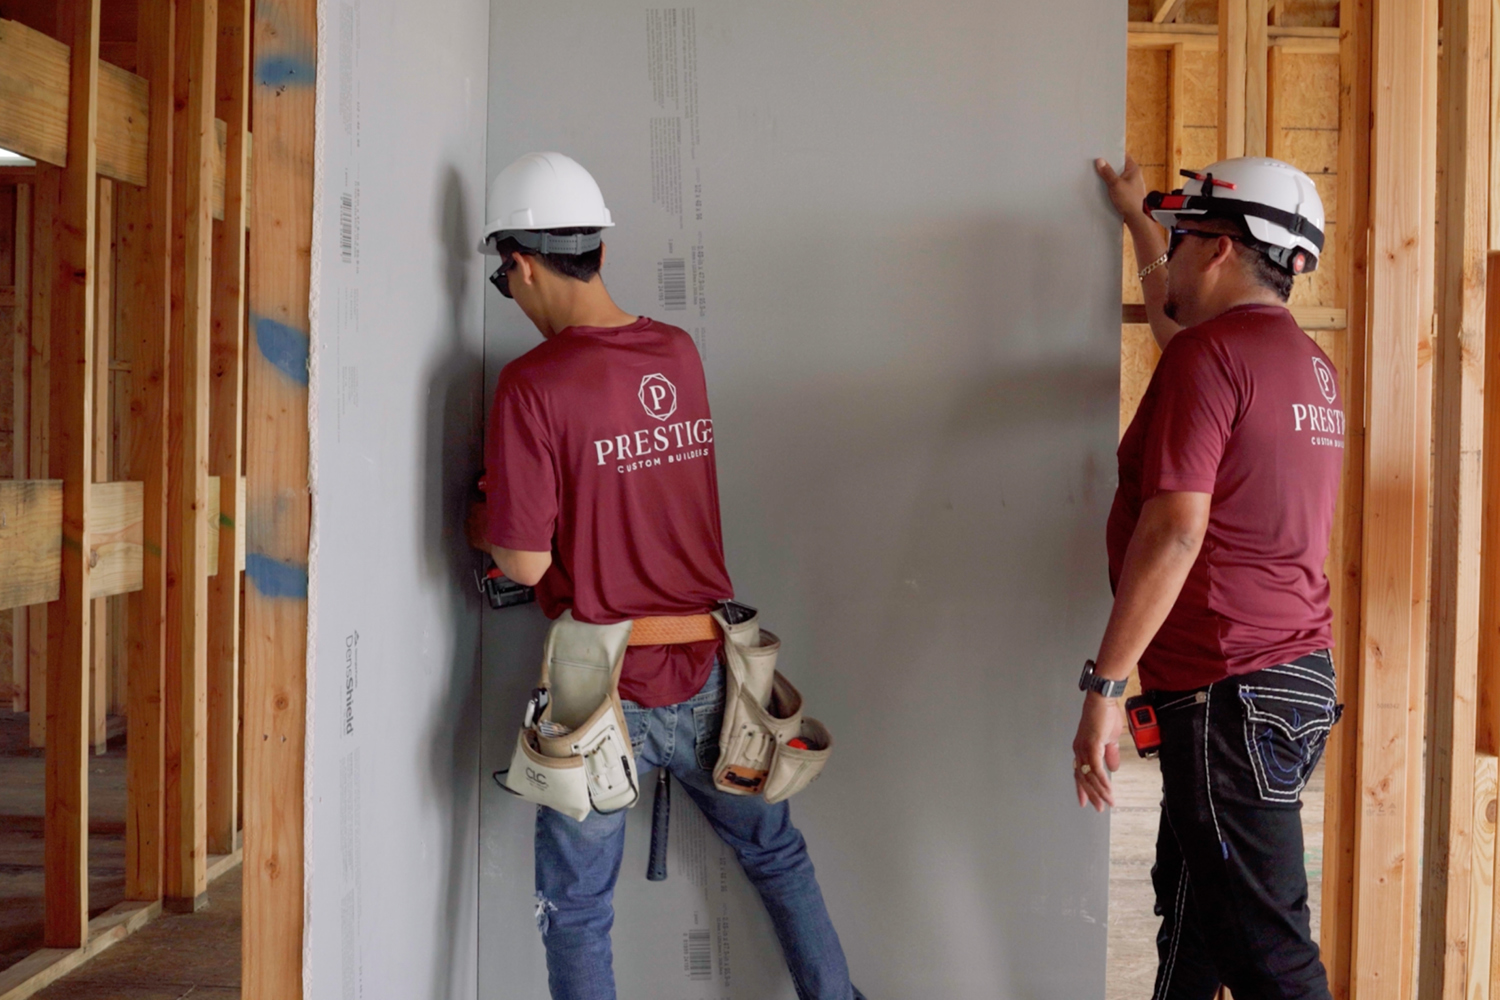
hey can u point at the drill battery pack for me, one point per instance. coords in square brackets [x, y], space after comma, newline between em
[501, 591]
[1144, 729]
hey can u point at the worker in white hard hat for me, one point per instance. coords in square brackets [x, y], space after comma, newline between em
[1228, 476]
[602, 492]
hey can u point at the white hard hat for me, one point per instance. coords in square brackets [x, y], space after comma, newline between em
[1278, 203]
[545, 191]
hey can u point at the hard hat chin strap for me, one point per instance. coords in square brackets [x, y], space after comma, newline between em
[544, 243]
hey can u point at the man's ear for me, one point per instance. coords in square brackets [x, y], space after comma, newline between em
[1223, 252]
[525, 269]
[602, 250]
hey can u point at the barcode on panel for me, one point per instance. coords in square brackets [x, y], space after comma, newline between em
[697, 955]
[671, 281]
[346, 227]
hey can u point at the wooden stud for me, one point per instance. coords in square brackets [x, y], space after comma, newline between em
[1257, 65]
[1463, 233]
[278, 508]
[1481, 922]
[1233, 31]
[227, 428]
[187, 415]
[20, 423]
[1489, 568]
[1176, 84]
[72, 462]
[1393, 666]
[44, 220]
[1343, 799]
[104, 308]
[145, 219]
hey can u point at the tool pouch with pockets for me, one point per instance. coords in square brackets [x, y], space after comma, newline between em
[762, 715]
[573, 752]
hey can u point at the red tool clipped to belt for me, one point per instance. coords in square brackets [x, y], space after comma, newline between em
[1145, 731]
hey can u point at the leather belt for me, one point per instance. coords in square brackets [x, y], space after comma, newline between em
[673, 630]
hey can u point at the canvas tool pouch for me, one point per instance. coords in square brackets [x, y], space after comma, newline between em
[573, 752]
[762, 715]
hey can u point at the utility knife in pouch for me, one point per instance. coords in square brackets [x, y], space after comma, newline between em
[573, 752]
[762, 716]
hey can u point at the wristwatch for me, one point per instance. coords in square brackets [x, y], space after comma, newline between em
[1100, 685]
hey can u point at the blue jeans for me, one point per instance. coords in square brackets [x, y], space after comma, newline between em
[577, 863]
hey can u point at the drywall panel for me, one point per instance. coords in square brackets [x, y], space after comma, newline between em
[880, 222]
[397, 389]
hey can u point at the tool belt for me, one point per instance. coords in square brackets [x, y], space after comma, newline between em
[573, 752]
[762, 718]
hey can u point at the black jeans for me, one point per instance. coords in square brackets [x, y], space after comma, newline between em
[1231, 886]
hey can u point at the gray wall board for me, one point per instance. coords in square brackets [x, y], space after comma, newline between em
[397, 407]
[905, 284]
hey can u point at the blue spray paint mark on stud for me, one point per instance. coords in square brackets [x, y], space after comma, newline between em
[273, 578]
[286, 71]
[284, 346]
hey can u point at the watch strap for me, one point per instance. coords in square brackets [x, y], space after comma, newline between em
[1100, 685]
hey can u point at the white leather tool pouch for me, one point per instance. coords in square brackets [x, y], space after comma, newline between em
[762, 713]
[574, 755]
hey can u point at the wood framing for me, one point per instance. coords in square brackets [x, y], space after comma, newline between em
[1458, 500]
[70, 435]
[226, 434]
[1257, 66]
[1392, 654]
[104, 306]
[44, 219]
[1233, 29]
[278, 506]
[20, 437]
[144, 281]
[187, 469]
[1481, 915]
[30, 541]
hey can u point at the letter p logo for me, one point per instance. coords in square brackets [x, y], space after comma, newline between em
[658, 396]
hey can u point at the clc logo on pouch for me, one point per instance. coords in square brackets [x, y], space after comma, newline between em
[537, 778]
[658, 396]
[1325, 379]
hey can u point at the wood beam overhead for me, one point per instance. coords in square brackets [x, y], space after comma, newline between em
[72, 461]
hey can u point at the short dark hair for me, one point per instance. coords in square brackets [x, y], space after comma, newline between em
[582, 266]
[1266, 272]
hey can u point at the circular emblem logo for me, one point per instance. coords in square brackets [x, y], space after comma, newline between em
[658, 396]
[1325, 379]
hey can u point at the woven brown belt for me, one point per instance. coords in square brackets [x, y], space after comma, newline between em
[673, 630]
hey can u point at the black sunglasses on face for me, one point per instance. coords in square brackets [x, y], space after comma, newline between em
[1178, 235]
[501, 278]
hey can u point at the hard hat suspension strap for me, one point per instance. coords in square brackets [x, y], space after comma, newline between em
[573, 244]
[1297, 225]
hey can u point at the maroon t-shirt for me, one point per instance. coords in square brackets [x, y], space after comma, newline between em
[601, 451]
[1244, 407]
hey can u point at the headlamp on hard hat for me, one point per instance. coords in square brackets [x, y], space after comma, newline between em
[1276, 204]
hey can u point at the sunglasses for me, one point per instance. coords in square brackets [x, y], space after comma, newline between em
[501, 278]
[1178, 235]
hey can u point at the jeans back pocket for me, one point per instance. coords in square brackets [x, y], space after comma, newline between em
[1288, 714]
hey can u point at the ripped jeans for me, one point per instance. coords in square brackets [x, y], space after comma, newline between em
[1230, 877]
[577, 863]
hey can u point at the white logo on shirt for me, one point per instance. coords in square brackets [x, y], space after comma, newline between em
[658, 396]
[1325, 379]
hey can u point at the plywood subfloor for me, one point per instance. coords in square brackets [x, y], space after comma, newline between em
[193, 955]
[1132, 849]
